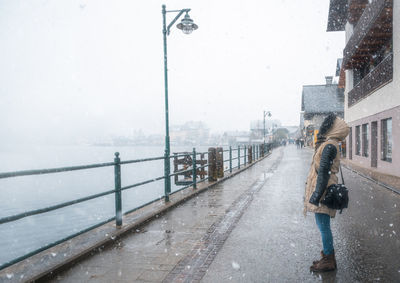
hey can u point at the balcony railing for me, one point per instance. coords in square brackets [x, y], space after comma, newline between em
[366, 22]
[379, 76]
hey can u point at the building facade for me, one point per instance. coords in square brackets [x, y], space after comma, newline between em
[371, 61]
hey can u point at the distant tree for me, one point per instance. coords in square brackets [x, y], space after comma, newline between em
[281, 134]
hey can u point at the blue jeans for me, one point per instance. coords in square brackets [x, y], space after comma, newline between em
[324, 224]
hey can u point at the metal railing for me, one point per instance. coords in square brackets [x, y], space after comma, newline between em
[256, 152]
[378, 77]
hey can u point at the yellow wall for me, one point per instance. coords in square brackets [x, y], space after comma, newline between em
[315, 135]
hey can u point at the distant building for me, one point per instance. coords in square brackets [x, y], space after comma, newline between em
[190, 133]
[340, 73]
[316, 102]
[235, 138]
[371, 62]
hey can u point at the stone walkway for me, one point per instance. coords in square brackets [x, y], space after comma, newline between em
[250, 228]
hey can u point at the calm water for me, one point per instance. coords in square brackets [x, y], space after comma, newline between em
[32, 192]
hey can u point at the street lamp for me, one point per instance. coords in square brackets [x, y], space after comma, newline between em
[266, 113]
[187, 26]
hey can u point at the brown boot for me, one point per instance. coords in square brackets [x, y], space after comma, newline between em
[316, 261]
[322, 256]
[327, 263]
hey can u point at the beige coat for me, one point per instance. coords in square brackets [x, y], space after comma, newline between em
[338, 132]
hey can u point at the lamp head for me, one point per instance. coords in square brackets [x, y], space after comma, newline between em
[187, 25]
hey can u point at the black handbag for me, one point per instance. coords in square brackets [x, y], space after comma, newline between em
[337, 195]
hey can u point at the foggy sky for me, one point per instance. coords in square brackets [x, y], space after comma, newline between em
[77, 70]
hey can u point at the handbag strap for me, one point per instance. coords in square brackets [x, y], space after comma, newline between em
[341, 173]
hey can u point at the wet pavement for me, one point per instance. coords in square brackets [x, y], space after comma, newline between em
[251, 228]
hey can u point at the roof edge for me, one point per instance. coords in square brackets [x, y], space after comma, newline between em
[337, 16]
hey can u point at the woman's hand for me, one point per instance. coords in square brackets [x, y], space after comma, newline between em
[314, 199]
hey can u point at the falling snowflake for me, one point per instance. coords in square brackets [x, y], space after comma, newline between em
[235, 265]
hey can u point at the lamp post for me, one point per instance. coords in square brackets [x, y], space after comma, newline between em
[187, 26]
[266, 113]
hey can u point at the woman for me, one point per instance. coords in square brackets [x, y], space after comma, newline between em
[324, 166]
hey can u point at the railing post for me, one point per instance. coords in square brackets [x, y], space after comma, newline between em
[244, 157]
[118, 199]
[238, 156]
[166, 177]
[230, 159]
[194, 169]
[258, 152]
[175, 167]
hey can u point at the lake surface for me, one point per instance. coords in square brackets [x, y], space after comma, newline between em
[26, 193]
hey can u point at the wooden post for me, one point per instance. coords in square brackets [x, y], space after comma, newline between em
[220, 162]
[250, 153]
[212, 170]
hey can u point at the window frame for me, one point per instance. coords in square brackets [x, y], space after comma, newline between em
[365, 139]
[386, 140]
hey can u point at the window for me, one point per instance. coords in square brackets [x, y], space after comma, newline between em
[358, 141]
[386, 138]
[365, 140]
